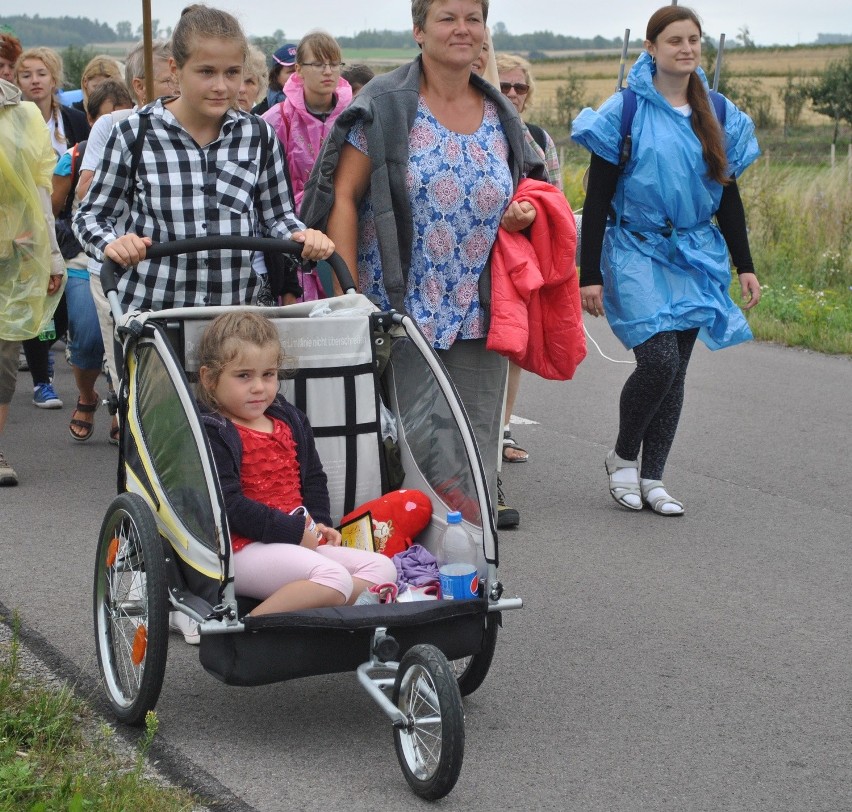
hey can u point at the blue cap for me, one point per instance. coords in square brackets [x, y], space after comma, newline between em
[285, 55]
[454, 517]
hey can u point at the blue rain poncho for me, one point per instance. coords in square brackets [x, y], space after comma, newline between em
[26, 262]
[664, 263]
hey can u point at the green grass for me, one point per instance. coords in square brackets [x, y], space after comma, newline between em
[56, 755]
[379, 55]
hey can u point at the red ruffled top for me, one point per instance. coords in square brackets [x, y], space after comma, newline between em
[270, 471]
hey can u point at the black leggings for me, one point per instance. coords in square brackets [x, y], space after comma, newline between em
[652, 399]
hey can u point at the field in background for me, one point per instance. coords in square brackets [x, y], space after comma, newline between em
[770, 68]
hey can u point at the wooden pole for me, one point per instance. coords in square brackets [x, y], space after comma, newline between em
[623, 64]
[719, 56]
[148, 41]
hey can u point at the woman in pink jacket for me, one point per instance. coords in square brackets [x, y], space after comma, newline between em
[316, 95]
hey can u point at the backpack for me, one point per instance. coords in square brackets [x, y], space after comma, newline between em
[628, 112]
[69, 245]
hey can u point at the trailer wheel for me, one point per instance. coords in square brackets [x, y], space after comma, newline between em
[131, 608]
[472, 671]
[430, 746]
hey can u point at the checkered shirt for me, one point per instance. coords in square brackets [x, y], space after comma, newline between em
[184, 191]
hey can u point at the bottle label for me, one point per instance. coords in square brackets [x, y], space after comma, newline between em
[459, 582]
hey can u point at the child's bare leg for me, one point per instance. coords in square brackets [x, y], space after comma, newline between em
[300, 595]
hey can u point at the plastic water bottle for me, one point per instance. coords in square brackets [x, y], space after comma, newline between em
[456, 545]
[49, 332]
[457, 560]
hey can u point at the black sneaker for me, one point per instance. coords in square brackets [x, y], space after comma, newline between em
[507, 517]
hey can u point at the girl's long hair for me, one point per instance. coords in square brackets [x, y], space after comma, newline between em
[704, 122]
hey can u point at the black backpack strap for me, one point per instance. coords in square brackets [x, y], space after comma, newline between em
[77, 152]
[136, 157]
[628, 112]
[281, 269]
[718, 102]
[538, 135]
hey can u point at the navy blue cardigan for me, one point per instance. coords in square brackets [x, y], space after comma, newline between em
[251, 518]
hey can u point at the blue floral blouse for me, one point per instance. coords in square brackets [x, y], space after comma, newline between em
[458, 186]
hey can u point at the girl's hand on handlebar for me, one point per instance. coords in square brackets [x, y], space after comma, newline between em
[129, 249]
[331, 536]
[316, 244]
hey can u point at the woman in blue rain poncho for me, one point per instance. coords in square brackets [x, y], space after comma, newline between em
[652, 260]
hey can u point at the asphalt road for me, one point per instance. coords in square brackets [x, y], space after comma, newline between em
[701, 663]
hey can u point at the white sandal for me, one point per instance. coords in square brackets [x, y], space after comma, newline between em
[626, 492]
[660, 500]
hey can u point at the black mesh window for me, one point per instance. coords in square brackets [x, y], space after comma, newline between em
[431, 431]
[172, 446]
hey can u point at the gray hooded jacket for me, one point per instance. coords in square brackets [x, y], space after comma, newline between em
[387, 105]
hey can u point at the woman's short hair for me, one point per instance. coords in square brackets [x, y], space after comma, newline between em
[134, 64]
[110, 90]
[10, 47]
[507, 62]
[256, 66]
[420, 10]
[358, 75]
[101, 65]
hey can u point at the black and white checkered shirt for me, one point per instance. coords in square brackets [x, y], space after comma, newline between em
[184, 191]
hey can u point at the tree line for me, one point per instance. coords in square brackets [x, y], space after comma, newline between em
[60, 32]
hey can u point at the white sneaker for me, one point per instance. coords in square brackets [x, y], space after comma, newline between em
[179, 622]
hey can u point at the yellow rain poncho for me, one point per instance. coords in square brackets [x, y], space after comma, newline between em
[27, 258]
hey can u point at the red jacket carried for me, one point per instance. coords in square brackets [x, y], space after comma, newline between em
[536, 318]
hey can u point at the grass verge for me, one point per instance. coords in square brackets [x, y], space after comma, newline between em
[55, 754]
[800, 230]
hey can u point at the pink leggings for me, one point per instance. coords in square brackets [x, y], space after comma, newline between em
[262, 569]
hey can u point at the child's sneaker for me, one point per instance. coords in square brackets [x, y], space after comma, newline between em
[179, 622]
[45, 397]
[378, 593]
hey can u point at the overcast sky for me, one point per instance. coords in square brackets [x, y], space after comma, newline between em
[769, 21]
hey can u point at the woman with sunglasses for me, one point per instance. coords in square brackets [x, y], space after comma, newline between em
[518, 86]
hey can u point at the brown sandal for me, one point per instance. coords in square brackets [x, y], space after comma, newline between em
[87, 425]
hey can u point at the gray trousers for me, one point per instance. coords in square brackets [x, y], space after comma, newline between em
[479, 376]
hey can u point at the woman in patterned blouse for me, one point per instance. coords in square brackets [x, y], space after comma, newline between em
[423, 166]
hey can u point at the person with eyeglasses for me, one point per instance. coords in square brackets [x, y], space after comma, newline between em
[315, 96]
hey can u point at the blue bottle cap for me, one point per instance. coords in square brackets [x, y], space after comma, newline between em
[454, 517]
